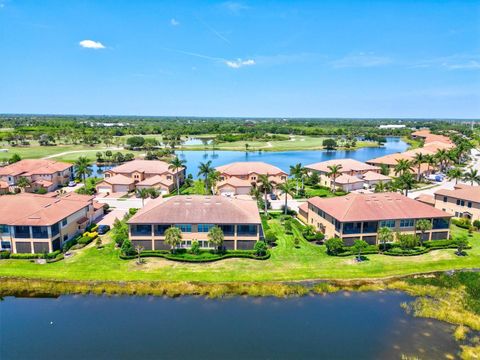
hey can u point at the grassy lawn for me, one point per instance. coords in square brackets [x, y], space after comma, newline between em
[197, 188]
[312, 191]
[286, 263]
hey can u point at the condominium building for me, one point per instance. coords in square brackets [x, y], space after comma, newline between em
[40, 173]
[359, 216]
[195, 215]
[32, 223]
[462, 201]
[138, 174]
[238, 178]
[353, 174]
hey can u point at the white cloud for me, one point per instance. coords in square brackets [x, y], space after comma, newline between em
[234, 7]
[452, 62]
[235, 64]
[362, 60]
[174, 22]
[90, 44]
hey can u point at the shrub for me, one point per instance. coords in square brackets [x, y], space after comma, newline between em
[463, 223]
[132, 211]
[195, 248]
[270, 236]
[127, 248]
[334, 246]
[407, 241]
[288, 227]
[476, 223]
[260, 248]
[4, 254]
[289, 211]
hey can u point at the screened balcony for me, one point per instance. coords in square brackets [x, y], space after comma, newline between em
[40, 232]
[246, 230]
[141, 230]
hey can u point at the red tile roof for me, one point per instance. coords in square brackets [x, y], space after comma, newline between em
[30, 167]
[347, 165]
[373, 207]
[119, 180]
[198, 209]
[250, 167]
[144, 166]
[463, 192]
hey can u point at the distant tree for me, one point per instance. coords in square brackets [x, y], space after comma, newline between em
[128, 157]
[176, 164]
[15, 158]
[216, 237]
[403, 166]
[173, 237]
[423, 225]
[82, 168]
[135, 142]
[405, 182]
[359, 246]
[99, 156]
[296, 171]
[329, 144]
[418, 160]
[108, 154]
[442, 158]
[385, 235]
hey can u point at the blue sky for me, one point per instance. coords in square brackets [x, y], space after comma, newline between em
[248, 58]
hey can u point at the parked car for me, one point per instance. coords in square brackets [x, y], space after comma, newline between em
[273, 196]
[103, 229]
[72, 183]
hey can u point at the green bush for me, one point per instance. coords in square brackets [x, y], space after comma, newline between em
[476, 223]
[334, 246]
[463, 223]
[270, 237]
[195, 248]
[204, 255]
[4, 254]
[48, 256]
[260, 248]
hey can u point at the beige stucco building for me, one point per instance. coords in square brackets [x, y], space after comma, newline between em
[194, 216]
[462, 201]
[359, 216]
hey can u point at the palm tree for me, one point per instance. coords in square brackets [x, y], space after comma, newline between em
[296, 171]
[380, 187]
[215, 237]
[213, 179]
[403, 166]
[423, 225]
[255, 192]
[143, 193]
[82, 168]
[286, 188]
[23, 183]
[173, 237]
[385, 235]
[473, 176]
[334, 173]
[430, 161]
[204, 169]
[455, 174]
[175, 164]
[406, 182]
[266, 186]
[442, 157]
[418, 160]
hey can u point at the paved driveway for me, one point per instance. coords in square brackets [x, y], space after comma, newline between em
[109, 219]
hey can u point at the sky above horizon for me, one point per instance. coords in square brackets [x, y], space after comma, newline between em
[416, 59]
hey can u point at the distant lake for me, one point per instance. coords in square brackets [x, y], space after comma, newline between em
[337, 326]
[283, 159]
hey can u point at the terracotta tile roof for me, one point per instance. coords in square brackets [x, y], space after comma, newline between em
[235, 182]
[119, 180]
[250, 167]
[154, 180]
[30, 167]
[426, 199]
[430, 138]
[144, 166]
[198, 209]
[389, 159]
[43, 183]
[303, 207]
[373, 207]
[374, 176]
[347, 165]
[32, 209]
[463, 192]
[347, 179]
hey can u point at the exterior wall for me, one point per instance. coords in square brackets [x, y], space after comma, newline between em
[140, 176]
[252, 178]
[58, 178]
[450, 206]
[234, 242]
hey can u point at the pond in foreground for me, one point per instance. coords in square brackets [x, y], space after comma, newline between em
[337, 326]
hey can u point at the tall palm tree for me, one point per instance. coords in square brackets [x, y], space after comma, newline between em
[473, 176]
[23, 183]
[286, 188]
[442, 157]
[82, 168]
[455, 174]
[175, 164]
[430, 161]
[334, 173]
[296, 171]
[385, 235]
[204, 169]
[380, 187]
[266, 186]
[418, 160]
[423, 225]
[403, 166]
[213, 179]
[406, 182]
[143, 193]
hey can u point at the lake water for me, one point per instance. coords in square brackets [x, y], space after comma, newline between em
[336, 326]
[284, 159]
[281, 159]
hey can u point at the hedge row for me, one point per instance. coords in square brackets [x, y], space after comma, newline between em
[169, 256]
[49, 256]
